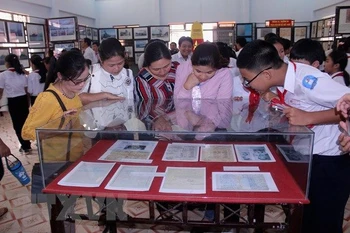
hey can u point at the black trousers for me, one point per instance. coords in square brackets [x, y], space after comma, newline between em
[32, 100]
[19, 110]
[328, 194]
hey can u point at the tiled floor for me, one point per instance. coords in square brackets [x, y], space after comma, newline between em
[26, 217]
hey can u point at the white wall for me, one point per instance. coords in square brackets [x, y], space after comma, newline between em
[326, 8]
[42, 9]
[126, 12]
[299, 10]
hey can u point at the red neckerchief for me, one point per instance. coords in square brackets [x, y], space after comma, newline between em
[338, 74]
[36, 71]
[11, 69]
[254, 100]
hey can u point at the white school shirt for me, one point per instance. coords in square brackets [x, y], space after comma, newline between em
[311, 90]
[90, 54]
[179, 58]
[338, 77]
[34, 85]
[13, 83]
[121, 85]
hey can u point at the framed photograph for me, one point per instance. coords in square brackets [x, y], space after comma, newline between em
[254, 153]
[107, 33]
[125, 34]
[137, 56]
[245, 29]
[299, 33]
[162, 33]
[36, 35]
[16, 32]
[139, 45]
[313, 29]
[82, 32]
[326, 45]
[89, 33]
[286, 33]
[94, 34]
[129, 51]
[342, 20]
[327, 27]
[23, 56]
[3, 32]
[261, 32]
[62, 29]
[42, 55]
[61, 46]
[291, 155]
[332, 26]
[320, 25]
[140, 33]
[3, 53]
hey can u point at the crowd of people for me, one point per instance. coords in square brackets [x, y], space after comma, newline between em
[311, 87]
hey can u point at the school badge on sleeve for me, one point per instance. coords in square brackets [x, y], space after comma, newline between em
[309, 82]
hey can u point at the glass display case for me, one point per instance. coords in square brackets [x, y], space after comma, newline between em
[218, 152]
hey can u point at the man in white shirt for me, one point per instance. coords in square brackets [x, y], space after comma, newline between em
[240, 43]
[87, 51]
[185, 50]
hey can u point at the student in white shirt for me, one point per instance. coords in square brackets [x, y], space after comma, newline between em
[14, 83]
[36, 79]
[335, 65]
[310, 90]
[185, 50]
[109, 79]
[87, 50]
[240, 43]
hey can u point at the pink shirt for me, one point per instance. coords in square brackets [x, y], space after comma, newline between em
[218, 87]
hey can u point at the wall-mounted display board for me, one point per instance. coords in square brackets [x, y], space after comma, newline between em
[300, 33]
[260, 32]
[342, 20]
[23, 56]
[245, 30]
[3, 53]
[160, 32]
[140, 33]
[62, 29]
[36, 35]
[15, 31]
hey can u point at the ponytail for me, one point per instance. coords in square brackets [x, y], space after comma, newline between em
[346, 78]
[13, 61]
[37, 61]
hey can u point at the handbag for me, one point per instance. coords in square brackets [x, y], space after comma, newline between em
[51, 170]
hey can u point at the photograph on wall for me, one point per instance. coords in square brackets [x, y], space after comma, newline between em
[139, 45]
[88, 33]
[293, 156]
[299, 33]
[332, 27]
[244, 29]
[67, 46]
[327, 27]
[107, 33]
[3, 33]
[286, 33]
[137, 56]
[16, 32]
[62, 29]
[82, 32]
[36, 35]
[129, 51]
[342, 20]
[94, 34]
[162, 33]
[23, 56]
[314, 29]
[261, 32]
[141, 33]
[3, 53]
[320, 25]
[254, 153]
[125, 34]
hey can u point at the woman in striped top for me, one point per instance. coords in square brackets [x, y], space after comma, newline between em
[156, 80]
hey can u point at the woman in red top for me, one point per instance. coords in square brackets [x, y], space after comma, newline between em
[156, 79]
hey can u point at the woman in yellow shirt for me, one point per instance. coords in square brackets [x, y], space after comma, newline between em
[72, 73]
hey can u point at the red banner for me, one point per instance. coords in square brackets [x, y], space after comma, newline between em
[279, 23]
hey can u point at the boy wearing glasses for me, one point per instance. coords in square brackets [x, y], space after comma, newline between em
[310, 90]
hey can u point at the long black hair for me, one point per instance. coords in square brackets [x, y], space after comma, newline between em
[38, 63]
[341, 58]
[13, 61]
[208, 54]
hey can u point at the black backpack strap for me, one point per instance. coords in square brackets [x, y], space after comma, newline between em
[64, 109]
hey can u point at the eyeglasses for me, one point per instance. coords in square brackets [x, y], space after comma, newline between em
[247, 83]
[77, 82]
